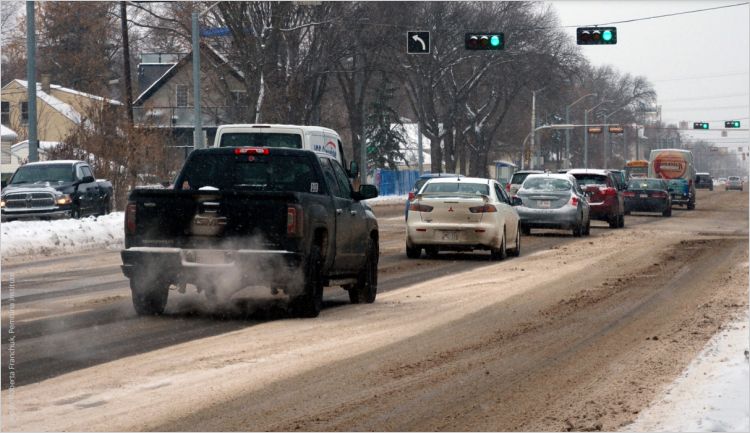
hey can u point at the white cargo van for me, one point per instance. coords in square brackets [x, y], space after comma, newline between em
[315, 138]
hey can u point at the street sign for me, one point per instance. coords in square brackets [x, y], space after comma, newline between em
[417, 42]
[595, 129]
[616, 129]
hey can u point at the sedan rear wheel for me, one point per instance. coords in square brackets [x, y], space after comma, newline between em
[501, 253]
[667, 212]
[413, 252]
[515, 252]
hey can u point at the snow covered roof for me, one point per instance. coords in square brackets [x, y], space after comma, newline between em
[84, 94]
[44, 145]
[58, 105]
[6, 132]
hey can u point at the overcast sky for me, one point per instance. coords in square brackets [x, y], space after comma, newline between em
[698, 63]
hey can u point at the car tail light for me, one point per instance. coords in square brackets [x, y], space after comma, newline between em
[628, 194]
[574, 201]
[488, 208]
[411, 195]
[608, 191]
[659, 194]
[418, 207]
[507, 186]
[251, 151]
[294, 221]
[130, 212]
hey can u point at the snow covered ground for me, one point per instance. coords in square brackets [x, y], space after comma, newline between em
[23, 238]
[712, 394]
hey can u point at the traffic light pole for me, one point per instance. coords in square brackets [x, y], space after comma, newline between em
[568, 163]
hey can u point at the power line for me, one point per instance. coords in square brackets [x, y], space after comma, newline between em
[698, 77]
[672, 14]
[702, 98]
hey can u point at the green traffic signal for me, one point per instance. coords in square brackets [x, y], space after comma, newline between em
[606, 35]
[494, 40]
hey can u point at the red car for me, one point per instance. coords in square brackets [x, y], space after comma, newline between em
[604, 195]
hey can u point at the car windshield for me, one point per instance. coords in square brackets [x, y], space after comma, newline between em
[734, 178]
[255, 172]
[43, 173]
[590, 179]
[646, 184]
[518, 178]
[260, 139]
[546, 184]
[443, 188]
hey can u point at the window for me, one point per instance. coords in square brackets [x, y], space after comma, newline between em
[24, 113]
[330, 177]
[86, 171]
[181, 92]
[5, 113]
[501, 194]
[236, 98]
[345, 188]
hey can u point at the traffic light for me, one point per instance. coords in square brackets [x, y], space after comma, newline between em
[596, 35]
[700, 125]
[484, 41]
[732, 124]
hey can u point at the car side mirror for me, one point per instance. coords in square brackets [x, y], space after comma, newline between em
[516, 201]
[353, 169]
[365, 192]
[87, 179]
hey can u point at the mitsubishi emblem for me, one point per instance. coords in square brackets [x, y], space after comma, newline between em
[450, 209]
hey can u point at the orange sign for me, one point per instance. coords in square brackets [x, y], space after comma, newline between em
[670, 165]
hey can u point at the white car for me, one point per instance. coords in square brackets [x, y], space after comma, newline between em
[463, 214]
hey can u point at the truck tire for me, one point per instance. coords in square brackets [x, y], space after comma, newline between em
[667, 212]
[310, 301]
[149, 295]
[75, 213]
[366, 288]
[691, 205]
[614, 222]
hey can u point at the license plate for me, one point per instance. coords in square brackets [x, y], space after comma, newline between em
[449, 235]
[209, 257]
[644, 195]
[544, 204]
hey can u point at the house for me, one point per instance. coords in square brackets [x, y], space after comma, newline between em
[168, 101]
[60, 111]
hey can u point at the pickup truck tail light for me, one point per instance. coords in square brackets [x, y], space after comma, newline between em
[130, 213]
[488, 208]
[417, 207]
[659, 194]
[251, 151]
[628, 194]
[294, 221]
[574, 201]
[411, 195]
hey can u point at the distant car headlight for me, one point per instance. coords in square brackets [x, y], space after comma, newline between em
[64, 199]
[2, 203]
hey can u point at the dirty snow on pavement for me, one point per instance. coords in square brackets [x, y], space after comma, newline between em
[22, 238]
[711, 394]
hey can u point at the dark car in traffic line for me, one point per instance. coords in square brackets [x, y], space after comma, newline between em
[55, 189]
[648, 195]
[704, 181]
[605, 198]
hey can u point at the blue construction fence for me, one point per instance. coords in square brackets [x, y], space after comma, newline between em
[395, 182]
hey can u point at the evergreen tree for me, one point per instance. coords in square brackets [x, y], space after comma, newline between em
[385, 134]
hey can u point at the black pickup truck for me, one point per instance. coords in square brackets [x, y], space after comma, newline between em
[55, 189]
[285, 219]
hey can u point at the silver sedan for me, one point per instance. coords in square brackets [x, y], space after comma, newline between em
[553, 201]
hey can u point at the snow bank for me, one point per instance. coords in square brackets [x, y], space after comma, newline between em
[385, 200]
[20, 238]
[712, 393]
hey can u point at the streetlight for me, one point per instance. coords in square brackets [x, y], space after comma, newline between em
[533, 116]
[197, 121]
[586, 132]
[531, 134]
[606, 142]
[567, 132]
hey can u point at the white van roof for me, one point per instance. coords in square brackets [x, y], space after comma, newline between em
[304, 128]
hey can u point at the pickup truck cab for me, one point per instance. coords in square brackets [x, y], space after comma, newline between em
[55, 189]
[281, 218]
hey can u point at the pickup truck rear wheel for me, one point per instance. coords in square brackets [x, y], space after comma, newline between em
[366, 288]
[310, 301]
[149, 295]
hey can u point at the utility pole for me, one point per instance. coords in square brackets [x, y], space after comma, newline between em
[31, 81]
[126, 61]
[568, 163]
[197, 121]
[533, 125]
[420, 157]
